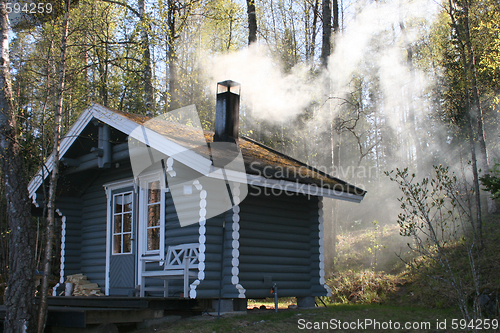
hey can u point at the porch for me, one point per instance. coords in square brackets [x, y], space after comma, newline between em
[96, 312]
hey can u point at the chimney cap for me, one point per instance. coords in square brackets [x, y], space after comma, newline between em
[228, 85]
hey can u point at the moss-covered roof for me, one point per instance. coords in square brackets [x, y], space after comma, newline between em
[258, 158]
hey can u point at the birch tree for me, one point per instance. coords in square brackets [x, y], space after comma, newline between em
[51, 207]
[147, 72]
[19, 297]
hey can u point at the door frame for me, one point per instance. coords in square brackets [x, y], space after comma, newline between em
[143, 217]
[142, 220]
[109, 188]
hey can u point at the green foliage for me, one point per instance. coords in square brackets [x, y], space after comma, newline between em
[438, 213]
[435, 209]
[491, 181]
[375, 245]
[222, 29]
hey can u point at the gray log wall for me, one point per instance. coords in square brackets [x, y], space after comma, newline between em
[275, 239]
[279, 243]
[94, 222]
[71, 208]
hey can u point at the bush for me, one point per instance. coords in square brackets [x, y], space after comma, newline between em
[491, 181]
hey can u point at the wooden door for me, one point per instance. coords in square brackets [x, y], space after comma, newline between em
[123, 249]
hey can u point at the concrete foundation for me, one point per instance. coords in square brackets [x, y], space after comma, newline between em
[230, 305]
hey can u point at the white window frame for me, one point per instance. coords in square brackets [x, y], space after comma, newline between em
[122, 233]
[143, 216]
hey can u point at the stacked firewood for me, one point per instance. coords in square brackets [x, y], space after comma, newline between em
[82, 286]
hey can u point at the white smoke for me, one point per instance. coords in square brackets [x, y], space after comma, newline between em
[372, 38]
[269, 93]
[372, 42]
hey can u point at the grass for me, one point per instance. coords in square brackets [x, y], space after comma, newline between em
[364, 287]
[372, 248]
[331, 318]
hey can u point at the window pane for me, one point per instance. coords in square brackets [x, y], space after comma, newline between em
[154, 192]
[127, 222]
[118, 224]
[153, 239]
[127, 243]
[127, 201]
[153, 215]
[122, 222]
[117, 244]
[118, 203]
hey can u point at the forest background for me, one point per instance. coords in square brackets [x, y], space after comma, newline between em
[353, 87]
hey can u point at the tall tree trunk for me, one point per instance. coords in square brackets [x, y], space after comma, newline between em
[19, 296]
[307, 32]
[471, 117]
[476, 105]
[409, 97]
[252, 22]
[326, 48]
[310, 29]
[102, 68]
[172, 98]
[336, 24]
[313, 28]
[472, 143]
[50, 226]
[147, 73]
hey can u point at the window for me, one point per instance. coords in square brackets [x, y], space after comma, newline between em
[154, 216]
[122, 222]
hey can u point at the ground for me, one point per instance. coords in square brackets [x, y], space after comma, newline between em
[360, 318]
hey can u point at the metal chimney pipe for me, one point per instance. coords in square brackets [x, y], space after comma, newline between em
[227, 111]
[104, 150]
